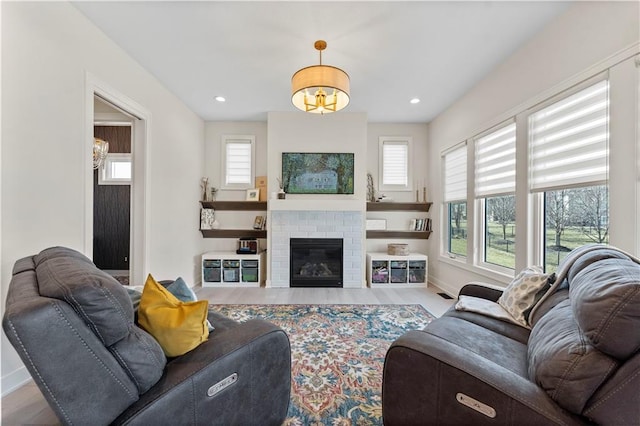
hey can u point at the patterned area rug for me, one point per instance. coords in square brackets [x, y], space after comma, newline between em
[337, 356]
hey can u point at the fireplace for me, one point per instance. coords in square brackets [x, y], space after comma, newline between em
[316, 262]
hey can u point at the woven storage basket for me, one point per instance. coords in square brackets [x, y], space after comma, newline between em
[397, 249]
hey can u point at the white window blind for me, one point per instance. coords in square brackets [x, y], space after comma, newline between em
[495, 162]
[238, 162]
[395, 163]
[455, 174]
[569, 140]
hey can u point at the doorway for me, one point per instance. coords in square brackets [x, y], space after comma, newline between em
[112, 185]
[112, 201]
[107, 106]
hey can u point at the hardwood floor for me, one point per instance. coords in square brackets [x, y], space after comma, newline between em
[27, 406]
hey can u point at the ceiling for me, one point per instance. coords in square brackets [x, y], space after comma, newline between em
[248, 51]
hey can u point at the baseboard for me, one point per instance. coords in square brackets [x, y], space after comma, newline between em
[14, 380]
[447, 288]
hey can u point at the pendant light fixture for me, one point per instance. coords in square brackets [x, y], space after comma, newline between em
[320, 88]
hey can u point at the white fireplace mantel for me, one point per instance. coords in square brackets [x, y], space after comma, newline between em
[316, 204]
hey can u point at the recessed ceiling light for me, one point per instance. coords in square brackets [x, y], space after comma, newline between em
[220, 98]
[415, 101]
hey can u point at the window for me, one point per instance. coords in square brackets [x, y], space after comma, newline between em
[499, 214]
[572, 218]
[238, 154]
[116, 170]
[495, 186]
[455, 196]
[569, 150]
[457, 228]
[394, 163]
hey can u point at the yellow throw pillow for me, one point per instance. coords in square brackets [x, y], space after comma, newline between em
[178, 326]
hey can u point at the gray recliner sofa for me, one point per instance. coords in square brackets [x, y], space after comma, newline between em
[73, 327]
[579, 363]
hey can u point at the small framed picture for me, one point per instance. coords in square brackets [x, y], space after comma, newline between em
[207, 216]
[253, 194]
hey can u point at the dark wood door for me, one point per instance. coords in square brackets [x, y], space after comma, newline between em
[112, 207]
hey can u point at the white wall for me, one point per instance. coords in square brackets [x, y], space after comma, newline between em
[213, 163]
[588, 33]
[296, 132]
[46, 50]
[418, 163]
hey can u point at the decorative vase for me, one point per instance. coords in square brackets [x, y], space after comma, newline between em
[282, 195]
[204, 184]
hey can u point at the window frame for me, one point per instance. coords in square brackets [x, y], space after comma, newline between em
[446, 206]
[537, 197]
[479, 238]
[104, 174]
[238, 139]
[395, 140]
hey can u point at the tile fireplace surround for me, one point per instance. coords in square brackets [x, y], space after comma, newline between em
[312, 218]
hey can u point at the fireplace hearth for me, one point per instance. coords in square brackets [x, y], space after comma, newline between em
[316, 262]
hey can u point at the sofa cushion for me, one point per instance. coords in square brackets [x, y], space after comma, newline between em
[56, 252]
[142, 357]
[178, 326]
[605, 296]
[563, 362]
[105, 307]
[97, 297]
[595, 255]
[508, 329]
[523, 292]
[496, 347]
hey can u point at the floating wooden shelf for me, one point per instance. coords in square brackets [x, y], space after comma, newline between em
[396, 207]
[235, 205]
[233, 233]
[399, 234]
[238, 206]
[262, 206]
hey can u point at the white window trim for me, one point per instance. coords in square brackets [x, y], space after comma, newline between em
[251, 139]
[480, 243]
[398, 140]
[539, 227]
[105, 178]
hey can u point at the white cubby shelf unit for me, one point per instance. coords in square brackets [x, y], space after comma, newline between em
[386, 270]
[229, 269]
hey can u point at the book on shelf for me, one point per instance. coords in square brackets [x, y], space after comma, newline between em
[420, 224]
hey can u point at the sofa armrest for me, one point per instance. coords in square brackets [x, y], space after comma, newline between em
[424, 375]
[255, 356]
[483, 290]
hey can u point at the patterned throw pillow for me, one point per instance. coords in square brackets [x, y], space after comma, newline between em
[523, 293]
